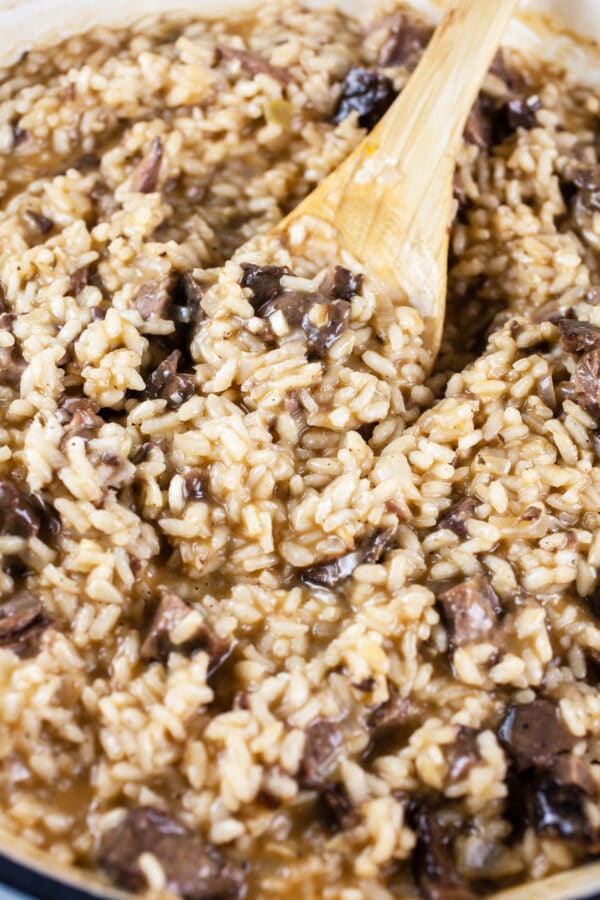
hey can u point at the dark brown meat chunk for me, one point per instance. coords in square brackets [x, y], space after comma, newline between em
[578, 337]
[370, 549]
[155, 298]
[170, 612]
[79, 417]
[145, 175]
[166, 383]
[263, 281]
[456, 517]
[195, 484]
[22, 623]
[336, 807]
[471, 610]
[434, 868]
[38, 222]
[406, 43]
[587, 383]
[194, 869]
[366, 92]
[256, 65]
[12, 366]
[534, 732]
[18, 514]
[323, 744]
[462, 755]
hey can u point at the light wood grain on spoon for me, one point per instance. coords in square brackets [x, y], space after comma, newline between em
[390, 201]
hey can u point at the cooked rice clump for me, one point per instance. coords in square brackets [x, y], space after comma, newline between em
[283, 613]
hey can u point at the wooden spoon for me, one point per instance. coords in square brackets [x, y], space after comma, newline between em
[390, 202]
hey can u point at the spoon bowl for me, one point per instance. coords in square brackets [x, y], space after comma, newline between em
[390, 203]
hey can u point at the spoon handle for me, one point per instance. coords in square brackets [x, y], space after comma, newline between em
[428, 120]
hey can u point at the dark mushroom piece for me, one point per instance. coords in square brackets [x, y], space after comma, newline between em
[587, 383]
[18, 513]
[592, 601]
[461, 755]
[342, 284]
[558, 810]
[22, 623]
[370, 549]
[567, 769]
[255, 64]
[158, 644]
[155, 298]
[366, 92]
[479, 128]
[195, 483]
[12, 366]
[79, 418]
[145, 175]
[166, 383]
[264, 282]
[404, 47]
[78, 280]
[336, 807]
[433, 862]
[471, 610]
[322, 747]
[187, 307]
[455, 518]
[38, 222]
[533, 733]
[391, 715]
[577, 336]
[193, 868]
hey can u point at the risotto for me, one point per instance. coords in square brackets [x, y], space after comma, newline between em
[284, 612]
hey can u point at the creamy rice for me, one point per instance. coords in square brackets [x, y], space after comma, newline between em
[282, 611]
